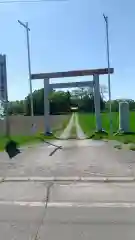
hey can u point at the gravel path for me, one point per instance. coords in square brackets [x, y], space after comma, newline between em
[79, 132]
[67, 131]
[74, 122]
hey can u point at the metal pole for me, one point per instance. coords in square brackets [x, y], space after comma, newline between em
[29, 68]
[4, 68]
[29, 64]
[109, 82]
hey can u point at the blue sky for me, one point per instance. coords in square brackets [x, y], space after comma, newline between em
[69, 35]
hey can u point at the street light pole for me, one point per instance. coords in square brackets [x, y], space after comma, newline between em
[108, 61]
[25, 25]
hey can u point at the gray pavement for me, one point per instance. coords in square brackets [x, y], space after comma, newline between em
[89, 223]
[23, 222]
[93, 192]
[69, 192]
[67, 211]
[77, 158]
[19, 222]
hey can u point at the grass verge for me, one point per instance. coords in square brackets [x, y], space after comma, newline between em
[33, 139]
[24, 140]
[87, 123]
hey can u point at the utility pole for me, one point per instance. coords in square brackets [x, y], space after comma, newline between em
[25, 25]
[109, 81]
[4, 94]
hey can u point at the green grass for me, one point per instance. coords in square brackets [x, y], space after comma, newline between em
[23, 140]
[87, 122]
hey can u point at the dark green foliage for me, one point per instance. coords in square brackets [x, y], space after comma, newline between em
[60, 102]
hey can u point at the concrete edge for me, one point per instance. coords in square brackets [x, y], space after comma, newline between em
[67, 179]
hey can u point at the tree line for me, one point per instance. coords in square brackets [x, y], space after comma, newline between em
[61, 102]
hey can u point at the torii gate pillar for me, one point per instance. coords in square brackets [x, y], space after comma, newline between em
[46, 107]
[97, 102]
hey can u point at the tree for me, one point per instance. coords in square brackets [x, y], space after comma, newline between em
[115, 104]
[60, 102]
[103, 91]
[85, 99]
[16, 107]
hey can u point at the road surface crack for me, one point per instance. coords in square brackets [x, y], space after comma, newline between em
[37, 237]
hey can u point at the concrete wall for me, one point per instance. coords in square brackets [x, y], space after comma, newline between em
[21, 125]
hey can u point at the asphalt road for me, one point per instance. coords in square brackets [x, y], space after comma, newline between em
[67, 211]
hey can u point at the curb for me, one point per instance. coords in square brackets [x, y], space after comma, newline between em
[68, 179]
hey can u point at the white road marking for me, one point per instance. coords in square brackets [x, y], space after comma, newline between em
[22, 203]
[92, 205]
[70, 204]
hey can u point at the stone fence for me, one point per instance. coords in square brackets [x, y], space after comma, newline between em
[22, 125]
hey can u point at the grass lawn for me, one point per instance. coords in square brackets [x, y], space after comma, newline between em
[23, 140]
[87, 122]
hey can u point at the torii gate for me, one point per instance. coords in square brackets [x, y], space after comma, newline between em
[95, 84]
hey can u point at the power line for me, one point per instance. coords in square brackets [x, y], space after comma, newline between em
[28, 1]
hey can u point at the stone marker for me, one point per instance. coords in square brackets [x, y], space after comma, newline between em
[124, 117]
